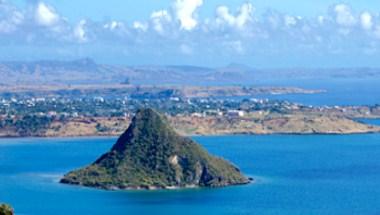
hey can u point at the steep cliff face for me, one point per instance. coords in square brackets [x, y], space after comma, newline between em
[151, 155]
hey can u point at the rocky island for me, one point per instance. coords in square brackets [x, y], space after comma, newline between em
[151, 155]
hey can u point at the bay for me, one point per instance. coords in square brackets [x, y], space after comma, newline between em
[294, 174]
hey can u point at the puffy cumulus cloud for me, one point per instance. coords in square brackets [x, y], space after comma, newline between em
[185, 13]
[244, 16]
[80, 31]
[45, 15]
[159, 19]
[113, 25]
[344, 16]
[10, 18]
[321, 19]
[223, 15]
[366, 21]
[179, 30]
[140, 26]
[272, 19]
[290, 20]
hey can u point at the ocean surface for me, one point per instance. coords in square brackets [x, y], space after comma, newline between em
[294, 175]
[375, 122]
[342, 92]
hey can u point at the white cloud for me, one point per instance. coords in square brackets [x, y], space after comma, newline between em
[113, 25]
[246, 11]
[46, 15]
[159, 18]
[184, 10]
[239, 31]
[290, 20]
[80, 32]
[240, 20]
[161, 14]
[273, 19]
[223, 15]
[344, 16]
[366, 20]
[321, 19]
[13, 18]
[141, 26]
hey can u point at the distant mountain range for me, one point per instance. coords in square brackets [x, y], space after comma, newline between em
[86, 71]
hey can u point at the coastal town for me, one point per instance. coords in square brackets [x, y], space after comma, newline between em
[100, 114]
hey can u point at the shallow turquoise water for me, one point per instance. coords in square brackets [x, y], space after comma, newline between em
[295, 175]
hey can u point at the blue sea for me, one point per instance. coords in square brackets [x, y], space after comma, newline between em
[294, 175]
[343, 92]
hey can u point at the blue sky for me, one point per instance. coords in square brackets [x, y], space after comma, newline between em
[129, 10]
[261, 33]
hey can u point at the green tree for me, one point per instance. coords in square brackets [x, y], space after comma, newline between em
[6, 210]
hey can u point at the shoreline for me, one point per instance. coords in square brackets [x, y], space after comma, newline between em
[199, 135]
[295, 124]
[250, 180]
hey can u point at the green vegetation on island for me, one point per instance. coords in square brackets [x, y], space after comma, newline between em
[151, 155]
[6, 209]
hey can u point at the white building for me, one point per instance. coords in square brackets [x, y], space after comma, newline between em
[235, 113]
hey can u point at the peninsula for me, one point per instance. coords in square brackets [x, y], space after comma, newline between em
[104, 114]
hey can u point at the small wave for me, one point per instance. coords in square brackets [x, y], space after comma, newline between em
[52, 177]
